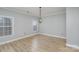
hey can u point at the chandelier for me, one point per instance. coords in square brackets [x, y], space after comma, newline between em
[40, 18]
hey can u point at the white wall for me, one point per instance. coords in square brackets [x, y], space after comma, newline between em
[54, 25]
[72, 26]
[22, 24]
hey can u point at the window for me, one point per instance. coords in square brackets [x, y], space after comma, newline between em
[35, 26]
[6, 26]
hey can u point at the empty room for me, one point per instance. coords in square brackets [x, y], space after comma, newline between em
[39, 29]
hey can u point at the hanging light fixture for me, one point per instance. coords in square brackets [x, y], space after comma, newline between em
[40, 18]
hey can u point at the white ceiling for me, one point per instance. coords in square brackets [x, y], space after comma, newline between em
[34, 11]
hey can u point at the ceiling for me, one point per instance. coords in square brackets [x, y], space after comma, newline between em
[34, 11]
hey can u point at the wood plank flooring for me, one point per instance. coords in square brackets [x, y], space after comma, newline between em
[37, 43]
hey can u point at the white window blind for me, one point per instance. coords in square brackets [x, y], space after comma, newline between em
[35, 26]
[6, 26]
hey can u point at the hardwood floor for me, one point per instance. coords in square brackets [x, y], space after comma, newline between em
[37, 43]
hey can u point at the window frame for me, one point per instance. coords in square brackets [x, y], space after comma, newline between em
[12, 25]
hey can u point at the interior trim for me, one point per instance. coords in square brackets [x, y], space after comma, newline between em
[52, 35]
[72, 46]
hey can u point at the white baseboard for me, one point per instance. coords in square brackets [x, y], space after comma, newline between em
[52, 35]
[72, 46]
[18, 38]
